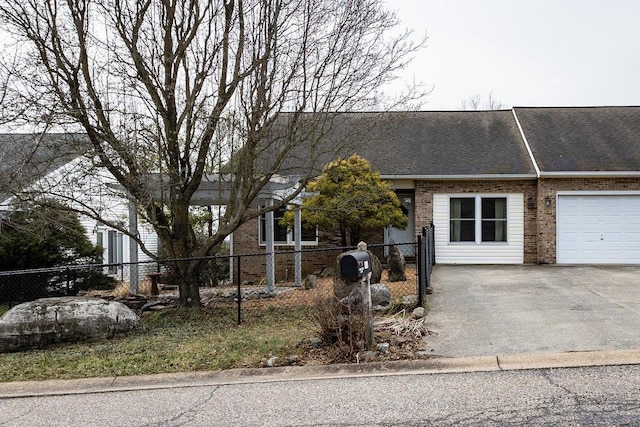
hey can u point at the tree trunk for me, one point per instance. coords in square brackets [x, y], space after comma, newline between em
[189, 284]
[183, 247]
[355, 236]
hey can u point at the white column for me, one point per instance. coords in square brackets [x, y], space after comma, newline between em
[271, 269]
[297, 230]
[133, 248]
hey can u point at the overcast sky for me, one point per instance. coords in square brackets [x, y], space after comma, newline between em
[526, 52]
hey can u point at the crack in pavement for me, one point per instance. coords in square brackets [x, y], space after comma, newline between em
[187, 416]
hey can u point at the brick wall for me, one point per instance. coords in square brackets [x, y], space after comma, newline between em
[245, 241]
[548, 187]
[539, 222]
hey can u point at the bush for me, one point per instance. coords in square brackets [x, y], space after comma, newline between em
[48, 238]
[339, 326]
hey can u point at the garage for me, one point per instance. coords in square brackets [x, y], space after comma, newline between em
[598, 229]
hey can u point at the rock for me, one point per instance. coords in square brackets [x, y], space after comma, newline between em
[418, 313]
[315, 342]
[396, 263]
[51, 320]
[383, 347]
[344, 287]
[409, 300]
[376, 268]
[327, 272]
[380, 297]
[272, 361]
[367, 356]
[293, 360]
[310, 282]
[134, 302]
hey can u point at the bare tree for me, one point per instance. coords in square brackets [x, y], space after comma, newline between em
[173, 93]
[475, 102]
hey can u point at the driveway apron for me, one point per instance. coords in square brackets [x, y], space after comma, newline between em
[501, 310]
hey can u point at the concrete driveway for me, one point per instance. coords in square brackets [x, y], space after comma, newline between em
[501, 310]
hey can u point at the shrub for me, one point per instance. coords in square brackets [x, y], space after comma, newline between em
[339, 326]
[46, 237]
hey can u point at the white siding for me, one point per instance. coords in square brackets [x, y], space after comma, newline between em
[510, 252]
[72, 182]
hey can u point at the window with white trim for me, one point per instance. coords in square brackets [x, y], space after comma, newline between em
[478, 219]
[283, 235]
[113, 247]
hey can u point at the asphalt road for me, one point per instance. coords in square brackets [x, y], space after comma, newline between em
[567, 396]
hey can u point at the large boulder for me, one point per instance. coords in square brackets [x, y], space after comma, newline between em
[50, 320]
[310, 282]
[396, 263]
[380, 298]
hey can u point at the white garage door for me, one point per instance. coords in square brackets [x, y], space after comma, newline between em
[598, 229]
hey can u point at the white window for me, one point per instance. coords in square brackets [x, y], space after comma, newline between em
[113, 248]
[283, 235]
[478, 219]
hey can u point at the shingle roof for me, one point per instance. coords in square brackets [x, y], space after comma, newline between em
[583, 139]
[25, 158]
[453, 144]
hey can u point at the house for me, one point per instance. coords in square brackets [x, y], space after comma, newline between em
[52, 165]
[526, 185]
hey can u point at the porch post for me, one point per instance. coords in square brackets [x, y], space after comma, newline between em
[133, 248]
[297, 231]
[270, 261]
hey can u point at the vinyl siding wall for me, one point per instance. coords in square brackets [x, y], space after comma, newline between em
[510, 252]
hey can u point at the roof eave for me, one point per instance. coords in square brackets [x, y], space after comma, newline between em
[462, 177]
[590, 174]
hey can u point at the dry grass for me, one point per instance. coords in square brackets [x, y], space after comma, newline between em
[181, 340]
[298, 296]
[122, 288]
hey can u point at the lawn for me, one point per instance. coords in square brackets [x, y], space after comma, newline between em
[183, 340]
[176, 340]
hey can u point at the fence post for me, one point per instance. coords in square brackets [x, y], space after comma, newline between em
[428, 256]
[239, 294]
[432, 246]
[421, 271]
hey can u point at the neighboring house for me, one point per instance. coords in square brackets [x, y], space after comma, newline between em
[53, 165]
[527, 185]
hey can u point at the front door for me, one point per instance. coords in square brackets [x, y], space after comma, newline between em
[406, 235]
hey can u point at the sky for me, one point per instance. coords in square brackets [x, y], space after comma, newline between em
[525, 52]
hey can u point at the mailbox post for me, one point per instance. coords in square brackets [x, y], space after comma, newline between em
[357, 265]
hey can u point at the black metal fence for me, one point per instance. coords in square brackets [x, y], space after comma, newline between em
[425, 261]
[241, 281]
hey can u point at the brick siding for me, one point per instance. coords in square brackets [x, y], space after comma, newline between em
[547, 188]
[539, 221]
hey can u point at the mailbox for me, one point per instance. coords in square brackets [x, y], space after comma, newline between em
[355, 264]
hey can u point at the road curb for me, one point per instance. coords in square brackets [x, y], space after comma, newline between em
[436, 365]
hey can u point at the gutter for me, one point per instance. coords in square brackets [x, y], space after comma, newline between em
[591, 174]
[462, 177]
